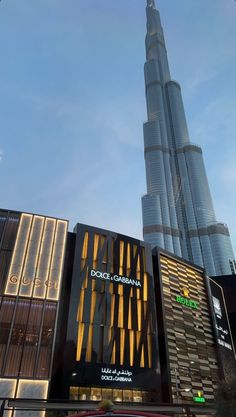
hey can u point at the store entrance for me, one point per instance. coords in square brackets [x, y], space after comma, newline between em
[113, 394]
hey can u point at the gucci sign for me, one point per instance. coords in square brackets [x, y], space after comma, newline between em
[37, 282]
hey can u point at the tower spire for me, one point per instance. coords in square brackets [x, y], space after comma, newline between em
[151, 3]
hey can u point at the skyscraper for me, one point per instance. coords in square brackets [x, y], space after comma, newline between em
[178, 213]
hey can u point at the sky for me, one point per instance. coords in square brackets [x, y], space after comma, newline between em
[72, 104]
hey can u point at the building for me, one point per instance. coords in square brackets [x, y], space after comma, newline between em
[32, 249]
[109, 344]
[190, 368]
[223, 291]
[178, 213]
[92, 314]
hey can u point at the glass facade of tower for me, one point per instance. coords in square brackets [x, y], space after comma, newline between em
[178, 213]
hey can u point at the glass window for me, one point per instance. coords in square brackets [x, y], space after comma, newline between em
[74, 393]
[5, 259]
[128, 396]
[96, 394]
[6, 314]
[44, 358]
[10, 232]
[117, 395]
[14, 353]
[84, 393]
[107, 394]
[137, 395]
[31, 339]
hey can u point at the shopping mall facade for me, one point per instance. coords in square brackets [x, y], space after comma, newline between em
[92, 314]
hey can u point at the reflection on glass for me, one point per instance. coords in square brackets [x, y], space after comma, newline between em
[137, 396]
[128, 396]
[96, 394]
[14, 353]
[74, 393]
[6, 314]
[107, 394]
[117, 395]
[84, 393]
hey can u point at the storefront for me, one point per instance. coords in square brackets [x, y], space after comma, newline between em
[111, 348]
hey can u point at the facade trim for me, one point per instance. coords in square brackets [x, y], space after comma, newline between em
[159, 228]
[211, 230]
[194, 148]
[156, 148]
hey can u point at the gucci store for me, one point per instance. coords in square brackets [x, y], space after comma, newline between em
[32, 251]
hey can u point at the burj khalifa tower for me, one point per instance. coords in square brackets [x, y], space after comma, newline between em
[178, 213]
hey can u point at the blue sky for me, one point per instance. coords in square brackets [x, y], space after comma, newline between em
[72, 104]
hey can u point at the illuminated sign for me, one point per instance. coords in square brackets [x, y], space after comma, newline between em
[187, 302]
[217, 307]
[221, 325]
[115, 375]
[37, 260]
[199, 399]
[112, 277]
[185, 292]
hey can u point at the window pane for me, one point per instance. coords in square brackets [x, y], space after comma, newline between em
[31, 339]
[5, 259]
[17, 339]
[46, 341]
[6, 314]
[10, 231]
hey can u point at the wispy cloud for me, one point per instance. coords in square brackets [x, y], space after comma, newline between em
[1, 155]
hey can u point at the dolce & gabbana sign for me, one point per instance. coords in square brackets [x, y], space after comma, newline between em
[113, 277]
[116, 375]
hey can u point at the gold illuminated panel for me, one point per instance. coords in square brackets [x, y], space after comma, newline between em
[116, 308]
[36, 389]
[37, 260]
[8, 387]
[23, 388]
[190, 340]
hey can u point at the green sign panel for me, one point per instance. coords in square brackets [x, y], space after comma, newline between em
[187, 302]
[199, 399]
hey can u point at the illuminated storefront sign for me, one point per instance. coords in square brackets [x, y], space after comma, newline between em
[199, 399]
[116, 375]
[185, 300]
[221, 324]
[37, 260]
[114, 277]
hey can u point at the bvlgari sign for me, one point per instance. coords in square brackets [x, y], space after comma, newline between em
[113, 277]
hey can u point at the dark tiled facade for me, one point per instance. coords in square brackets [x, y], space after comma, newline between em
[189, 357]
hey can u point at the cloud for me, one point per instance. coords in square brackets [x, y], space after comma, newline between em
[1, 155]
